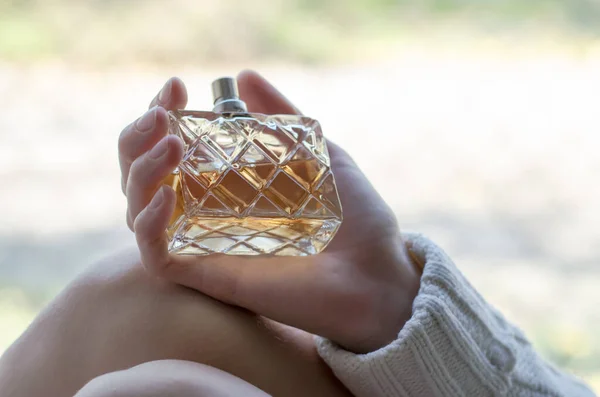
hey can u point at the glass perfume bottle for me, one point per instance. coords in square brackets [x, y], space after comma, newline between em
[249, 183]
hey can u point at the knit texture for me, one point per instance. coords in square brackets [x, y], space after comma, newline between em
[455, 344]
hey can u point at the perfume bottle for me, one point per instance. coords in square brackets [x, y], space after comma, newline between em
[249, 183]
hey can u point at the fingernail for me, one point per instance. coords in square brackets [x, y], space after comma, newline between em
[164, 94]
[147, 121]
[157, 199]
[160, 149]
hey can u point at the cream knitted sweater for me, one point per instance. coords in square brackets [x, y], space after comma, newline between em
[454, 345]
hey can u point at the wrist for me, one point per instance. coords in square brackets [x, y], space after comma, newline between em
[392, 287]
[402, 294]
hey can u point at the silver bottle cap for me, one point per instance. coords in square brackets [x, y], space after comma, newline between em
[226, 96]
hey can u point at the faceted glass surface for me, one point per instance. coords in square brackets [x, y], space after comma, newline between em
[252, 184]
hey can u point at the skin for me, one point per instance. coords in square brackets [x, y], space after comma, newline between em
[120, 330]
[115, 318]
[358, 292]
[169, 378]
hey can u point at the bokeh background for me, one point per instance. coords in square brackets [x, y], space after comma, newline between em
[477, 121]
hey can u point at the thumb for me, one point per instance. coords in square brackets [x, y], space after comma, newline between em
[311, 293]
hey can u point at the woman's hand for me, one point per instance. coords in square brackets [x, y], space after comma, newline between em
[169, 378]
[358, 292]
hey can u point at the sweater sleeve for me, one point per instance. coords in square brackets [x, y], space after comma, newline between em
[455, 344]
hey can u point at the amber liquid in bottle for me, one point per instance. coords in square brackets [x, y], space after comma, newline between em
[252, 184]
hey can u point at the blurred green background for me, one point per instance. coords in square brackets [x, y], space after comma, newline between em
[102, 33]
[490, 148]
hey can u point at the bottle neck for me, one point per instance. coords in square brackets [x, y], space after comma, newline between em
[230, 105]
[226, 96]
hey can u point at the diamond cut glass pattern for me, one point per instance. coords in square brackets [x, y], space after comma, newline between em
[252, 184]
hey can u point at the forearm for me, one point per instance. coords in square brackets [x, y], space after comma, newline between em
[116, 317]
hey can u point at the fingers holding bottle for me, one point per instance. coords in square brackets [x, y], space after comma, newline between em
[172, 96]
[141, 135]
[149, 171]
[150, 226]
